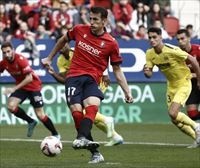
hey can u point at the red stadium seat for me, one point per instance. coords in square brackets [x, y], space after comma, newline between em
[171, 25]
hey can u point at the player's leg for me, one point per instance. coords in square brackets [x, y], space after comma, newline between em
[193, 112]
[193, 101]
[104, 123]
[73, 87]
[178, 99]
[37, 103]
[13, 106]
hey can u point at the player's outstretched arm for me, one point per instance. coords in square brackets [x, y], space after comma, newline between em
[27, 80]
[119, 75]
[59, 45]
[59, 77]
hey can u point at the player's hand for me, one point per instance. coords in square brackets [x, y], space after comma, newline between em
[46, 62]
[147, 71]
[8, 91]
[129, 99]
[106, 80]
[50, 69]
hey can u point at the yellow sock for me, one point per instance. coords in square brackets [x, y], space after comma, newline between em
[100, 122]
[100, 117]
[182, 118]
[187, 130]
[101, 126]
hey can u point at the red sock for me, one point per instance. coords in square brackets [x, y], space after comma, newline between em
[15, 110]
[77, 116]
[91, 112]
[44, 119]
[193, 113]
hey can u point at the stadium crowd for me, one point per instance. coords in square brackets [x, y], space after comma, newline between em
[44, 19]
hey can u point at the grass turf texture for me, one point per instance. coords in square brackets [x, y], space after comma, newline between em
[161, 146]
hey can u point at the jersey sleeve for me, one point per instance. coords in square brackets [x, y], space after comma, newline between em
[1, 66]
[71, 34]
[25, 67]
[149, 62]
[115, 57]
[180, 54]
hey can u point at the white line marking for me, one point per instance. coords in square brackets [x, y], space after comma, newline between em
[102, 142]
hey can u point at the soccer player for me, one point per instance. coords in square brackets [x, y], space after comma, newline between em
[171, 62]
[28, 85]
[193, 101]
[93, 49]
[104, 123]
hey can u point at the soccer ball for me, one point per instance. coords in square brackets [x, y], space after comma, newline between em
[51, 146]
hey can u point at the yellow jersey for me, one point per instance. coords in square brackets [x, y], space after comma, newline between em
[171, 62]
[63, 63]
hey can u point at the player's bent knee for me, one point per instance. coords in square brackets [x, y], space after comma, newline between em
[12, 107]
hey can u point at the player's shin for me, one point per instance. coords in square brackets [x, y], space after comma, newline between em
[49, 125]
[182, 118]
[87, 121]
[186, 129]
[20, 113]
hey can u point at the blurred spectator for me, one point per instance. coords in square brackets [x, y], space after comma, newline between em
[155, 14]
[61, 17]
[79, 3]
[110, 26]
[146, 3]
[165, 6]
[44, 17]
[4, 24]
[17, 16]
[139, 17]
[30, 6]
[41, 33]
[141, 33]
[191, 31]
[122, 12]
[84, 17]
[102, 3]
[158, 24]
[29, 39]
[120, 32]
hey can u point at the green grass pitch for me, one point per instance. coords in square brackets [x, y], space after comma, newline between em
[146, 146]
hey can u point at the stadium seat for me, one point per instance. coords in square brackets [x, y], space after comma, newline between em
[171, 25]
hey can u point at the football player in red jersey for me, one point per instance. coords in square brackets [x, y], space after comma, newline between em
[193, 101]
[28, 85]
[94, 49]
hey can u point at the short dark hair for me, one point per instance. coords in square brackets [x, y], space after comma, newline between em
[7, 44]
[155, 30]
[102, 11]
[189, 26]
[180, 31]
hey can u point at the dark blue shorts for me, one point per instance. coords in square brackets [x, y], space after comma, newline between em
[35, 97]
[194, 97]
[81, 87]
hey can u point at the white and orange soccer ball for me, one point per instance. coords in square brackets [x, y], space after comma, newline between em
[51, 146]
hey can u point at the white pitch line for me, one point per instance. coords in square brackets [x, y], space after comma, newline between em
[102, 142]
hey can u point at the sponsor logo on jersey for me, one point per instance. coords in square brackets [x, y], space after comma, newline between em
[102, 44]
[85, 35]
[89, 48]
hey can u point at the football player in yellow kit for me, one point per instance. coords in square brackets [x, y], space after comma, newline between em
[104, 123]
[171, 62]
